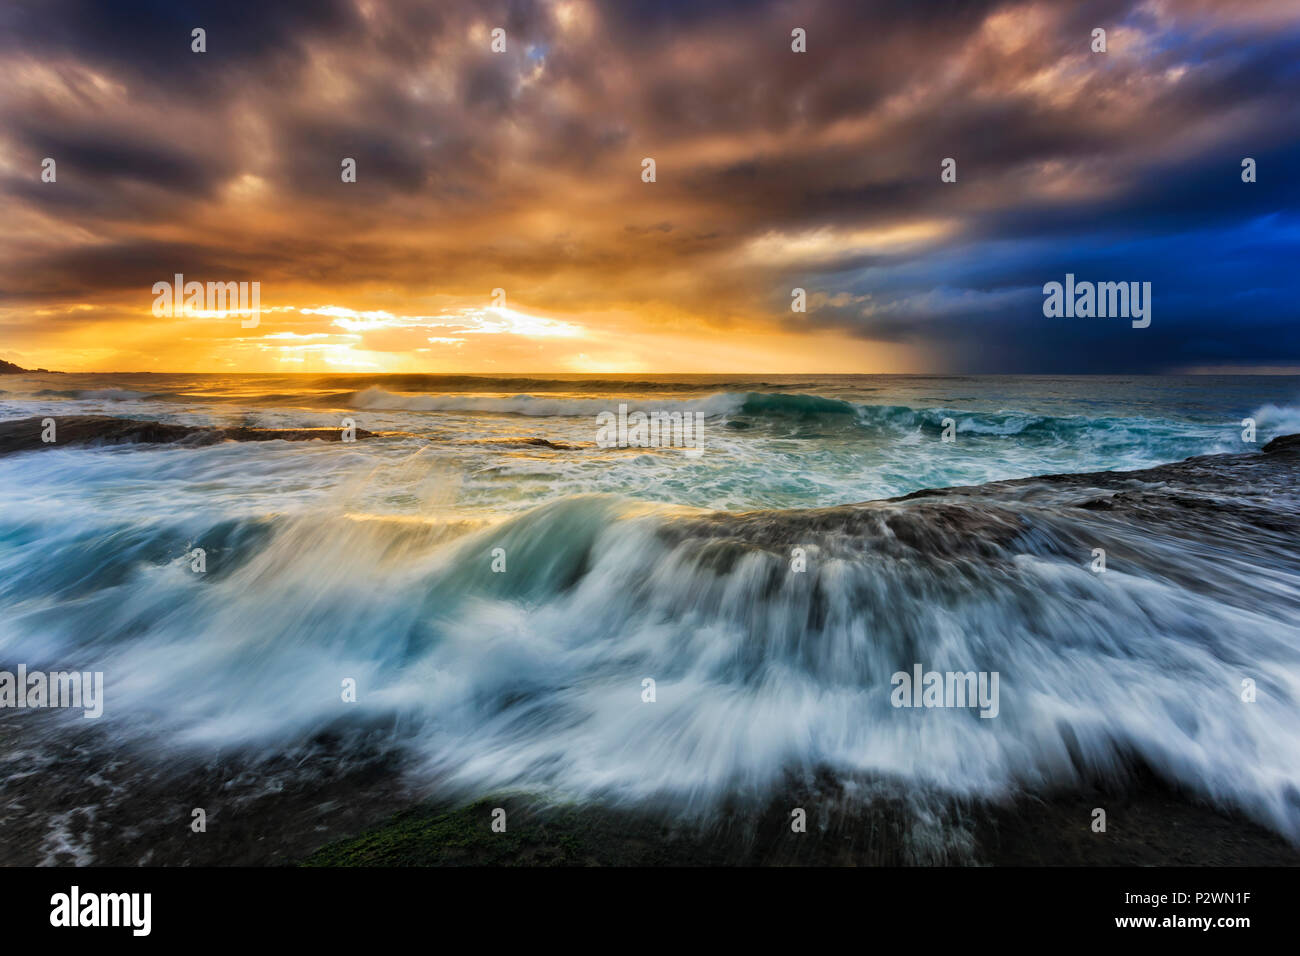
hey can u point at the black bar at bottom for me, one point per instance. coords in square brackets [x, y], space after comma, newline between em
[660, 907]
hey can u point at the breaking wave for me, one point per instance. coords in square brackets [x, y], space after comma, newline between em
[532, 677]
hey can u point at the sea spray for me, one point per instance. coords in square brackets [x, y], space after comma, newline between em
[374, 561]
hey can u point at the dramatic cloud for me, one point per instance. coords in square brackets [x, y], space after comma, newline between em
[521, 171]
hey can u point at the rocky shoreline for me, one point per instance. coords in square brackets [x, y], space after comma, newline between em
[336, 803]
[71, 795]
[25, 434]
[1149, 824]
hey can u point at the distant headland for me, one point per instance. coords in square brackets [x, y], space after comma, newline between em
[9, 368]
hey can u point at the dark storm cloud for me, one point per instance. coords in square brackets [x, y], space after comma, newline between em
[148, 41]
[775, 169]
[98, 154]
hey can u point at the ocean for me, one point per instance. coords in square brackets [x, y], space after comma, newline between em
[498, 588]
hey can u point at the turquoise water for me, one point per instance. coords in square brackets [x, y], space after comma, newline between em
[373, 561]
[769, 442]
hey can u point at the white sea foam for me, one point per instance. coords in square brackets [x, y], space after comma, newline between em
[533, 678]
[373, 562]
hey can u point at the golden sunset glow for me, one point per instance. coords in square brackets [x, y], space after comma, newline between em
[498, 219]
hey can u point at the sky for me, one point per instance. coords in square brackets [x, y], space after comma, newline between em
[500, 220]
